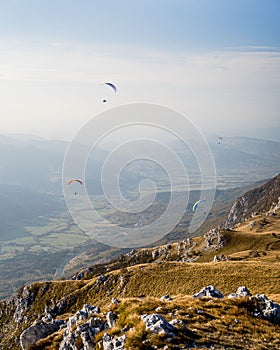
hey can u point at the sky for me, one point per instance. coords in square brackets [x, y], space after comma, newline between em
[217, 62]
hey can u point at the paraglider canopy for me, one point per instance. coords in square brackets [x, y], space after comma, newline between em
[74, 180]
[196, 204]
[219, 138]
[113, 86]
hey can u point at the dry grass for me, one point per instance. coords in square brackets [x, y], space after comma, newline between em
[254, 261]
[224, 322]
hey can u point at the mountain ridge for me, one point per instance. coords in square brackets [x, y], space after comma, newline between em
[265, 198]
[117, 305]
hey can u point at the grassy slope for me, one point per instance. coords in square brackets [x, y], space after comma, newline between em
[253, 261]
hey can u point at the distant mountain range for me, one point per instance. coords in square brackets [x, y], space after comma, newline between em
[36, 163]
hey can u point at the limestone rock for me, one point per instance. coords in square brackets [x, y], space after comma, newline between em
[22, 303]
[209, 291]
[155, 254]
[267, 309]
[111, 343]
[216, 258]
[213, 240]
[111, 318]
[157, 324]
[241, 292]
[39, 331]
[90, 310]
[85, 331]
[166, 298]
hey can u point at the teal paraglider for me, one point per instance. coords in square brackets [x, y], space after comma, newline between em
[196, 204]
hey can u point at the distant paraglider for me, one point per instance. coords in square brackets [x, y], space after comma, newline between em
[112, 86]
[69, 183]
[74, 180]
[196, 204]
[219, 138]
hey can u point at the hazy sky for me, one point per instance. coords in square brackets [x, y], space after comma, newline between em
[216, 61]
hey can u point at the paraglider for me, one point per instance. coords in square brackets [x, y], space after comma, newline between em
[112, 86]
[74, 180]
[196, 204]
[69, 183]
[219, 138]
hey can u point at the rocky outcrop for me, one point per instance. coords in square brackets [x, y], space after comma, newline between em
[111, 318]
[267, 309]
[218, 258]
[82, 329]
[76, 329]
[22, 303]
[213, 240]
[210, 292]
[264, 199]
[83, 334]
[39, 331]
[157, 324]
[111, 343]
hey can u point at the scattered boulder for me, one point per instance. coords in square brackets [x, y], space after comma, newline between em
[216, 258]
[241, 292]
[209, 291]
[101, 279]
[166, 298]
[157, 324]
[111, 343]
[155, 254]
[267, 309]
[39, 331]
[115, 301]
[90, 310]
[111, 318]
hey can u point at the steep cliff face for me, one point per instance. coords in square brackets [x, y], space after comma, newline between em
[265, 198]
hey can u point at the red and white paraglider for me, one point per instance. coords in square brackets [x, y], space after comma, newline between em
[69, 183]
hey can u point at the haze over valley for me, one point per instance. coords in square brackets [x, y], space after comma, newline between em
[139, 175]
[36, 225]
